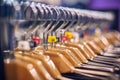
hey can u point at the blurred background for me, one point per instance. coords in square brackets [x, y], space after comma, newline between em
[99, 5]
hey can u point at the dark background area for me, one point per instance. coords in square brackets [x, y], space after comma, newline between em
[99, 5]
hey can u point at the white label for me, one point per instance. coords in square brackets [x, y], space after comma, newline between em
[76, 36]
[24, 45]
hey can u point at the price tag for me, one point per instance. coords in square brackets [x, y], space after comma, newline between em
[24, 45]
[76, 36]
[52, 39]
[64, 38]
[36, 39]
[98, 32]
[69, 35]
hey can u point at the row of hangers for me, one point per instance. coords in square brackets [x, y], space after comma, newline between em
[58, 56]
[61, 59]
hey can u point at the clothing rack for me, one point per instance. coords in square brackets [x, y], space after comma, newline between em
[19, 12]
